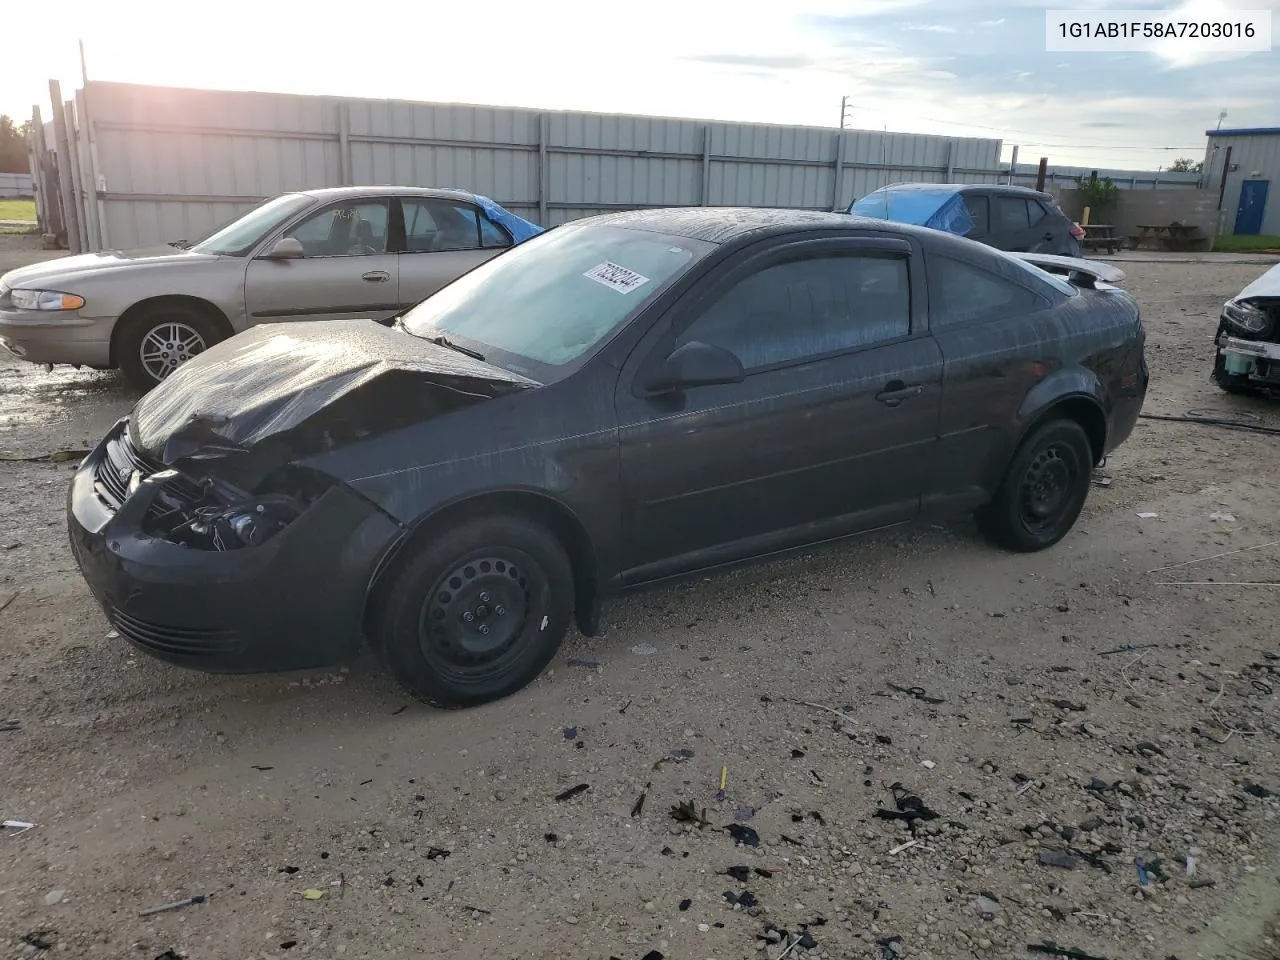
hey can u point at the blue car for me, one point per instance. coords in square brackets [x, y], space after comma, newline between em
[1009, 218]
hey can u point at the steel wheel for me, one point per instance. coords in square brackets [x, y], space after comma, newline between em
[475, 616]
[1047, 488]
[168, 345]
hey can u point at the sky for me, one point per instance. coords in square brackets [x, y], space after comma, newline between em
[952, 67]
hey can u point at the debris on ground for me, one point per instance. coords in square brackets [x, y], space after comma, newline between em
[438, 853]
[686, 812]
[571, 733]
[916, 693]
[910, 808]
[1058, 858]
[1049, 948]
[743, 835]
[18, 826]
[644, 649]
[683, 755]
[572, 792]
[312, 893]
[585, 664]
[174, 905]
[39, 939]
[638, 807]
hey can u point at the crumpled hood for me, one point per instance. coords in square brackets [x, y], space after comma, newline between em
[274, 378]
[82, 266]
[1267, 285]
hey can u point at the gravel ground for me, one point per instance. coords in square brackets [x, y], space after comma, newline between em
[1034, 763]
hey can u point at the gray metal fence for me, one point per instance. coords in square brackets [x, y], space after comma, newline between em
[16, 185]
[154, 164]
[146, 165]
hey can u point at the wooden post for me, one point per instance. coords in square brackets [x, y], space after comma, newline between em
[76, 171]
[66, 161]
[1040, 173]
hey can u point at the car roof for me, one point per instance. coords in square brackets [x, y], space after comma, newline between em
[726, 224]
[325, 194]
[991, 188]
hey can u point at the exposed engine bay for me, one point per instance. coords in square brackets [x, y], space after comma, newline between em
[205, 512]
[1248, 342]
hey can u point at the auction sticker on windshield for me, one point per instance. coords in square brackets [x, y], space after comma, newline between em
[616, 277]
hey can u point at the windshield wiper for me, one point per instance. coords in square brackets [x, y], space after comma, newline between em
[441, 340]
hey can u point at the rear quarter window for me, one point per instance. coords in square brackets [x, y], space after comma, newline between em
[962, 293]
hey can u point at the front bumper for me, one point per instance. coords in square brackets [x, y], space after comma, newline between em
[1256, 360]
[57, 337]
[296, 601]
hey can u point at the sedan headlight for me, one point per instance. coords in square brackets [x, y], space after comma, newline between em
[45, 300]
[1247, 318]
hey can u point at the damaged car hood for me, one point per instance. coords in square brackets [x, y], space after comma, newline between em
[1266, 286]
[267, 380]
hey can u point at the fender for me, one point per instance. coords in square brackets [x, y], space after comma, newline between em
[1076, 386]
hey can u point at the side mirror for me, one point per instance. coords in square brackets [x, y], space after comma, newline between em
[696, 364]
[286, 248]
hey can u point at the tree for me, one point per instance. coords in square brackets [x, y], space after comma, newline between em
[1186, 165]
[13, 146]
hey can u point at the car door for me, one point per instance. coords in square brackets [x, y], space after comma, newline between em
[827, 433]
[1050, 230]
[979, 209]
[443, 239]
[1011, 224]
[346, 270]
[990, 329]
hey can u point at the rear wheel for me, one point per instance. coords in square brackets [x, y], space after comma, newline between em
[154, 343]
[476, 612]
[1043, 490]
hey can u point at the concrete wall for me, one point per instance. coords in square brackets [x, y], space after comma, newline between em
[1161, 206]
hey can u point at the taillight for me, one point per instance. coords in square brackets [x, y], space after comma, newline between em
[1077, 231]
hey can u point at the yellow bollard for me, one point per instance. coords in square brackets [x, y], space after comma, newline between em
[1084, 218]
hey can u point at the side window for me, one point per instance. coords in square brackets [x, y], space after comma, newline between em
[977, 206]
[437, 226]
[1037, 211]
[801, 309]
[491, 235]
[354, 229]
[1010, 214]
[962, 293]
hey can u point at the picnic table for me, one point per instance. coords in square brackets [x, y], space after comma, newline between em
[1100, 235]
[1168, 236]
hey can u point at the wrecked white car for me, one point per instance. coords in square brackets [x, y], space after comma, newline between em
[1248, 339]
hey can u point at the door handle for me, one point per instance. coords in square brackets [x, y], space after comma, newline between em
[375, 276]
[1047, 236]
[895, 391]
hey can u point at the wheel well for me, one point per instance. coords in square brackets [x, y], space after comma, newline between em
[1083, 411]
[557, 518]
[143, 307]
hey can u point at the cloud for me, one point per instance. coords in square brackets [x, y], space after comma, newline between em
[930, 28]
[784, 61]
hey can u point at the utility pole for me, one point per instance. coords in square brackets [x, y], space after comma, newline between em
[1221, 116]
[844, 110]
[84, 70]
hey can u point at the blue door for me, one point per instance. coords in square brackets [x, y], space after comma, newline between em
[1253, 200]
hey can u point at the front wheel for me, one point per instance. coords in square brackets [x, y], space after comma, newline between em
[151, 345]
[476, 612]
[1043, 490]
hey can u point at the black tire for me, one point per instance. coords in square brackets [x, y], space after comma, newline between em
[180, 333]
[1043, 490]
[515, 581]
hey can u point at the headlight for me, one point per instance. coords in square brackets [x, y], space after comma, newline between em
[45, 300]
[1247, 318]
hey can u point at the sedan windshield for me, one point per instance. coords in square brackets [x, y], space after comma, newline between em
[544, 304]
[243, 234]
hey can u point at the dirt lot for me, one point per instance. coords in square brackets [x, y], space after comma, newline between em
[1035, 741]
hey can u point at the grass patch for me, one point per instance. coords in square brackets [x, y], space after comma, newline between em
[1244, 243]
[17, 210]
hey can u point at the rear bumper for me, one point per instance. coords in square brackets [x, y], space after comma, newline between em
[296, 601]
[57, 338]
[1128, 405]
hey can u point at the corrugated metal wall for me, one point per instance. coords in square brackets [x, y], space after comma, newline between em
[165, 164]
[16, 185]
[1253, 157]
[1059, 176]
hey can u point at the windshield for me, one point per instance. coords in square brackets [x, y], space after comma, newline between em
[243, 234]
[545, 303]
